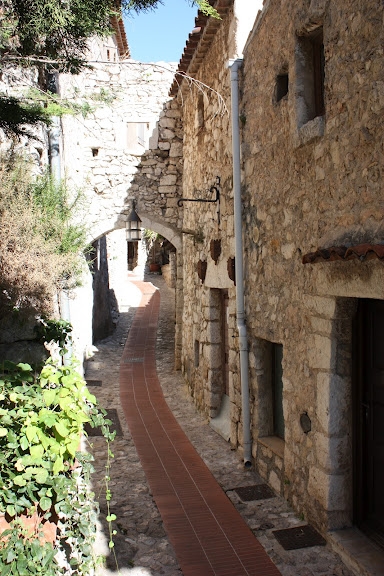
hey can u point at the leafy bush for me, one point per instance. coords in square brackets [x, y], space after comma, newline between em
[40, 246]
[42, 471]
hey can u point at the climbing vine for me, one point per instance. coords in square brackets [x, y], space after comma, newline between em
[43, 474]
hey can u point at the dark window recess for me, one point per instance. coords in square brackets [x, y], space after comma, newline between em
[281, 86]
[318, 72]
[310, 71]
[95, 152]
[277, 390]
[199, 119]
[197, 353]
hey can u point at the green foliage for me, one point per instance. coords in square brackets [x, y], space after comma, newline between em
[15, 115]
[48, 330]
[21, 556]
[41, 469]
[143, 5]
[59, 30]
[56, 209]
[40, 245]
[53, 29]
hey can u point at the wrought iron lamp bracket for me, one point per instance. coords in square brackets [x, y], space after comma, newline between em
[214, 189]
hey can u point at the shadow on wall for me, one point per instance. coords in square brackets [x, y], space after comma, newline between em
[105, 307]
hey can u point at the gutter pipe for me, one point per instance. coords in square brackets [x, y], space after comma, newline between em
[234, 66]
[55, 166]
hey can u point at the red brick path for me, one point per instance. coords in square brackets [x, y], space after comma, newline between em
[209, 536]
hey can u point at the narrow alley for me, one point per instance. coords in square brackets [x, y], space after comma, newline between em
[158, 533]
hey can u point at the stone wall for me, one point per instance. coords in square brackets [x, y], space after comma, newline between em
[306, 183]
[129, 146]
[207, 155]
[306, 186]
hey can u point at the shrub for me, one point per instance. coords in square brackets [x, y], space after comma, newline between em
[42, 471]
[40, 246]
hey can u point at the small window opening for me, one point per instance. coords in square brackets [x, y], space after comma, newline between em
[310, 71]
[281, 86]
[197, 353]
[108, 55]
[199, 118]
[95, 152]
[114, 56]
[277, 390]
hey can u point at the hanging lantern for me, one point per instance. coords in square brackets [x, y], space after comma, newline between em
[133, 226]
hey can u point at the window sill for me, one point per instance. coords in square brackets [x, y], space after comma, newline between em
[274, 443]
[310, 131]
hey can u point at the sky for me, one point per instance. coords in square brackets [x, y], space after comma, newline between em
[161, 34]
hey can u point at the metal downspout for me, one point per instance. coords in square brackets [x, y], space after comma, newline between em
[234, 66]
[55, 167]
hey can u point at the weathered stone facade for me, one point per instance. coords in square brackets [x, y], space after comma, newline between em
[311, 178]
[128, 147]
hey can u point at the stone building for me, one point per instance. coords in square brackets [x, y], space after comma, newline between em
[311, 98]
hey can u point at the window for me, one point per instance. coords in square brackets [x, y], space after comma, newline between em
[277, 390]
[197, 353]
[310, 69]
[282, 84]
[199, 117]
[137, 137]
[269, 381]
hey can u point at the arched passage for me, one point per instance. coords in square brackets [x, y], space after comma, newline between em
[102, 294]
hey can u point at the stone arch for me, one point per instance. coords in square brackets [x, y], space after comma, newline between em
[103, 227]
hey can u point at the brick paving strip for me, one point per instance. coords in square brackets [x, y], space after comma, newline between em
[142, 547]
[208, 534]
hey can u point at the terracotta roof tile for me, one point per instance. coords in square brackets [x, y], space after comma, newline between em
[359, 252]
[199, 42]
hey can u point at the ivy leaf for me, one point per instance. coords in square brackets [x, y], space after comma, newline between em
[45, 503]
[73, 446]
[31, 432]
[22, 563]
[37, 451]
[47, 417]
[41, 475]
[11, 556]
[11, 510]
[3, 432]
[58, 465]
[24, 443]
[24, 367]
[61, 429]
[49, 396]
[19, 480]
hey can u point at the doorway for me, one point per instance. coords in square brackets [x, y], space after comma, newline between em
[369, 419]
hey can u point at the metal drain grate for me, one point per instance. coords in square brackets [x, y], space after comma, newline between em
[256, 492]
[111, 415]
[133, 360]
[298, 537]
[93, 382]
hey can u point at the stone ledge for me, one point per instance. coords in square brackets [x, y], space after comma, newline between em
[359, 553]
[310, 131]
[275, 444]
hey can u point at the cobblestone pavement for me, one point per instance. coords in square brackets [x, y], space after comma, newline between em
[141, 544]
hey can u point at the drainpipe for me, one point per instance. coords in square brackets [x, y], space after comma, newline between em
[55, 167]
[234, 66]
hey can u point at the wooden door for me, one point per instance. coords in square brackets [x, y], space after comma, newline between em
[369, 466]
